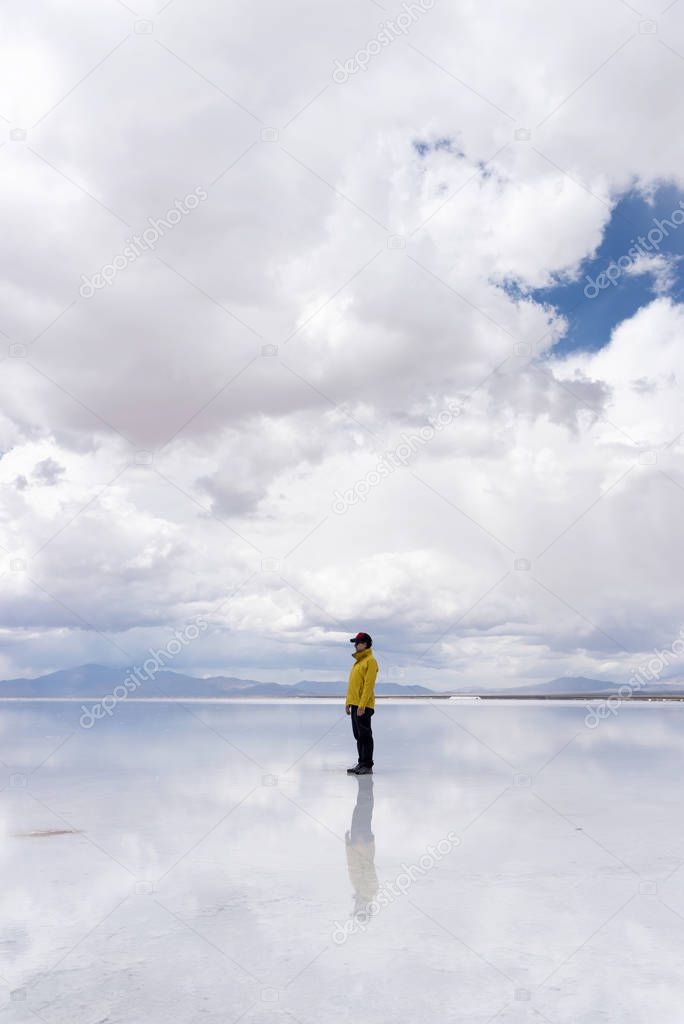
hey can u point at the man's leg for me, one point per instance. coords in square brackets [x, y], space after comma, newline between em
[365, 738]
[356, 730]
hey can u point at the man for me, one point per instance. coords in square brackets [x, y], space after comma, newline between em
[360, 701]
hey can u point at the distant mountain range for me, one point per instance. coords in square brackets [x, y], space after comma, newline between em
[577, 686]
[565, 684]
[94, 681]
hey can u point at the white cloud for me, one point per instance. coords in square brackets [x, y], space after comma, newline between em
[662, 269]
[194, 418]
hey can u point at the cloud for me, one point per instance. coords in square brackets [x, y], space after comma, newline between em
[661, 268]
[173, 442]
[48, 472]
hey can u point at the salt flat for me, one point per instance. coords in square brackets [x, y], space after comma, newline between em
[215, 863]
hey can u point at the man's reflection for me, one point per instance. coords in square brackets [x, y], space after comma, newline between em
[360, 845]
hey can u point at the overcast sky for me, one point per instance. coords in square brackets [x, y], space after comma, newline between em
[251, 250]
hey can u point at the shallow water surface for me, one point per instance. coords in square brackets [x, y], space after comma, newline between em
[206, 862]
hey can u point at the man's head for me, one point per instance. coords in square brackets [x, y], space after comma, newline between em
[361, 641]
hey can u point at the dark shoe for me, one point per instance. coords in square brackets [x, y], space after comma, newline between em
[352, 771]
[362, 770]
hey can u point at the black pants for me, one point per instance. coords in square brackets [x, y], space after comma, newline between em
[363, 734]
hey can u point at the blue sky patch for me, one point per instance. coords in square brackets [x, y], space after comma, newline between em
[606, 293]
[445, 144]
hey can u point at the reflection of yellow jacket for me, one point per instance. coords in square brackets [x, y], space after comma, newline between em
[362, 679]
[361, 867]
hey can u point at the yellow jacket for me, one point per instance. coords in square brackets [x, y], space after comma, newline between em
[360, 690]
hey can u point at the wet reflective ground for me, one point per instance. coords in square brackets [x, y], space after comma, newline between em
[215, 863]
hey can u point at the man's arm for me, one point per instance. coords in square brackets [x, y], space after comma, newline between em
[368, 683]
